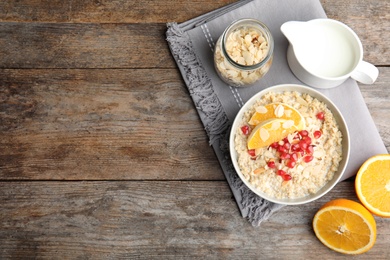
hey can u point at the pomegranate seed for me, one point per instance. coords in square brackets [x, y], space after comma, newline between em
[245, 129]
[304, 133]
[317, 134]
[302, 144]
[285, 140]
[287, 146]
[310, 149]
[286, 177]
[320, 115]
[294, 157]
[284, 156]
[271, 164]
[281, 149]
[295, 147]
[291, 164]
[308, 158]
[252, 152]
[275, 145]
[281, 172]
[307, 139]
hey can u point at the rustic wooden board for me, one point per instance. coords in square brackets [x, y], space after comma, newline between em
[65, 45]
[152, 219]
[124, 11]
[116, 124]
[120, 11]
[120, 44]
[101, 124]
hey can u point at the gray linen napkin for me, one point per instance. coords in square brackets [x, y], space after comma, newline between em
[192, 45]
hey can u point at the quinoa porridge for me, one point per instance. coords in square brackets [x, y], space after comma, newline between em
[299, 164]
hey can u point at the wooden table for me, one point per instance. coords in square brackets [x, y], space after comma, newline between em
[102, 153]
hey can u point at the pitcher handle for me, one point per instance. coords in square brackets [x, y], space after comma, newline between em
[365, 73]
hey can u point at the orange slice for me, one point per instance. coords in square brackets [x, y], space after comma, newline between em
[277, 110]
[372, 184]
[270, 131]
[345, 226]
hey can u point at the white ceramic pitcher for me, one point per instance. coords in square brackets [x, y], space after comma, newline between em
[323, 53]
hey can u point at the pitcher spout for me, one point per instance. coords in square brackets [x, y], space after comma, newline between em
[294, 31]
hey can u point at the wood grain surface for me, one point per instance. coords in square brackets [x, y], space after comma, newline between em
[157, 220]
[101, 124]
[118, 42]
[108, 124]
[103, 155]
[103, 11]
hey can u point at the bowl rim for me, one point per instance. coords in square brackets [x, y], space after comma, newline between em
[339, 119]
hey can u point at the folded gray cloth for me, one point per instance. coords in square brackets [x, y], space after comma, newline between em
[192, 45]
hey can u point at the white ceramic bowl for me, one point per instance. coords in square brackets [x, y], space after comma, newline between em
[339, 119]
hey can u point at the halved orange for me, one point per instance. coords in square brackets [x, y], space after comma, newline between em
[270, 131]
[345, 226]
[372, 185]
[277, 110]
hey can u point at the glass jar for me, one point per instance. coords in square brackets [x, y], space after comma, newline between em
[243, 53]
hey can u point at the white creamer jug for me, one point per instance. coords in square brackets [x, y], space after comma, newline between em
[323, 53]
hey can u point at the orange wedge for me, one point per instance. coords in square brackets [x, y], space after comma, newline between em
[372, 185]
[270, 131]
[345, 226]
[277, 110]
